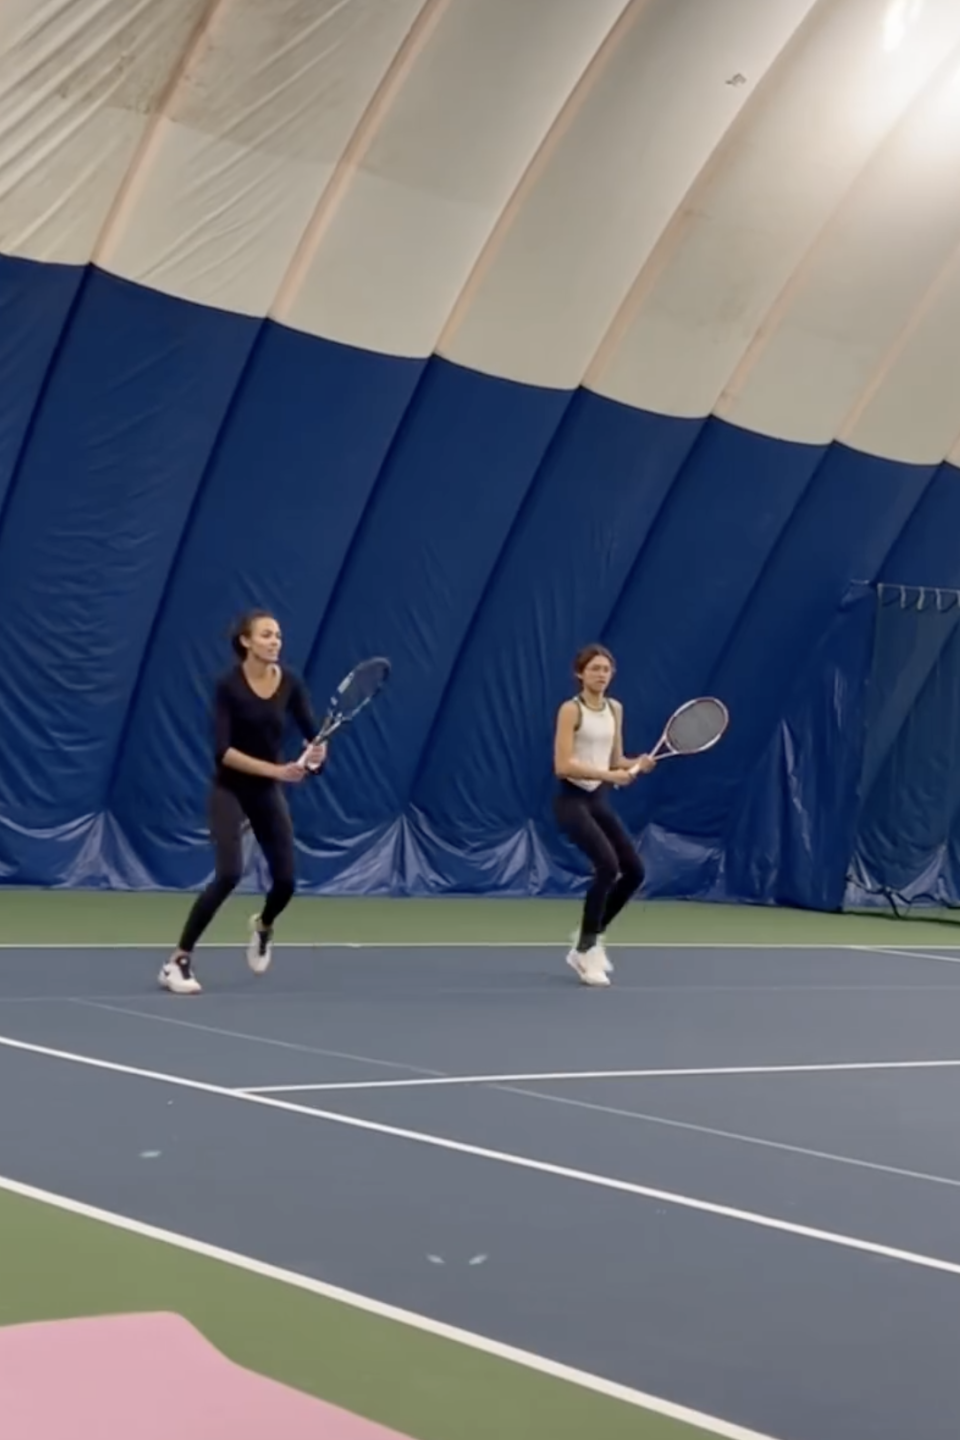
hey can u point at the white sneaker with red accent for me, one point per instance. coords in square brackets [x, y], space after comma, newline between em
[177, 976]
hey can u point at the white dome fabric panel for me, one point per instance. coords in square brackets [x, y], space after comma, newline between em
[680, 204]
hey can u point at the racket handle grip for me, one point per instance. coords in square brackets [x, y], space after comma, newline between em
[302, 762]
[655, 754]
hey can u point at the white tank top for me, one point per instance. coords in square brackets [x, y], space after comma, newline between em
[593, 741]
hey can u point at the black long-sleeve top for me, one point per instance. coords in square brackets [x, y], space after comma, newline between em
[243, 721]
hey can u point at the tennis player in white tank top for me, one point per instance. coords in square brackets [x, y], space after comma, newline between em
[588, 761]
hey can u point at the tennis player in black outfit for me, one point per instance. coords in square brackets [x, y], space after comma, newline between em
[252, 704]
[588, 762]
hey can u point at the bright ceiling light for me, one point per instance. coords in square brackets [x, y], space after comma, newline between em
[900, 15]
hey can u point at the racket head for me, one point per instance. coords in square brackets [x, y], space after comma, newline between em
[355, 692]
[696, 726]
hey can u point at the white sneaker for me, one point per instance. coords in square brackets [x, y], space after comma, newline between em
[591, 966]
[260, 948]
[575, 961]
[601, 945]
[177, 976]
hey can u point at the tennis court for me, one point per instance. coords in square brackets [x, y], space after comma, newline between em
[434, 1182]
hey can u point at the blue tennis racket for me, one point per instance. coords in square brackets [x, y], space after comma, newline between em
[353, 694]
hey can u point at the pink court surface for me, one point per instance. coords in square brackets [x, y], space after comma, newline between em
[152, 1377]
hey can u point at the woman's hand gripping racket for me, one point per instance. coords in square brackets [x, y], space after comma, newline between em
[352, 695]
[693, 728]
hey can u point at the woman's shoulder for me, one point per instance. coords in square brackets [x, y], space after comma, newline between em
[291, 679]
[227, 680]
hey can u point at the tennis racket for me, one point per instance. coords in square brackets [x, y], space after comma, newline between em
[691, 729]
[352, 695]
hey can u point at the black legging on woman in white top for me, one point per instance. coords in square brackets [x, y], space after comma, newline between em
[586, 818]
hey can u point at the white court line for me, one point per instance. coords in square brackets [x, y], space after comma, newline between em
[244, 1035]
[915, 954]
[410, 1084]
[502, 1157]
[113, 999]
[757, 1140]
[436, 1328]
[561, 944]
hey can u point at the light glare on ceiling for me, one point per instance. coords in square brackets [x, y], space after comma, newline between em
[900, 15]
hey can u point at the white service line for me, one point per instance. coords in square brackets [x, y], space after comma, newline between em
[436, 1328]
[502, 1157]
[911, 954]
[559, 1075]
[245, 1035]
[759, 1141]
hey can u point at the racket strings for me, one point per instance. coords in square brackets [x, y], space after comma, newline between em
[696, 726]
[354, 692]
[361, 685]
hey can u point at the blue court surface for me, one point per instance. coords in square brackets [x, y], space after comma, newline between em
[731, 1181]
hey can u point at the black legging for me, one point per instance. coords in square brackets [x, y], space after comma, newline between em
[266, 809]
[586, 818]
